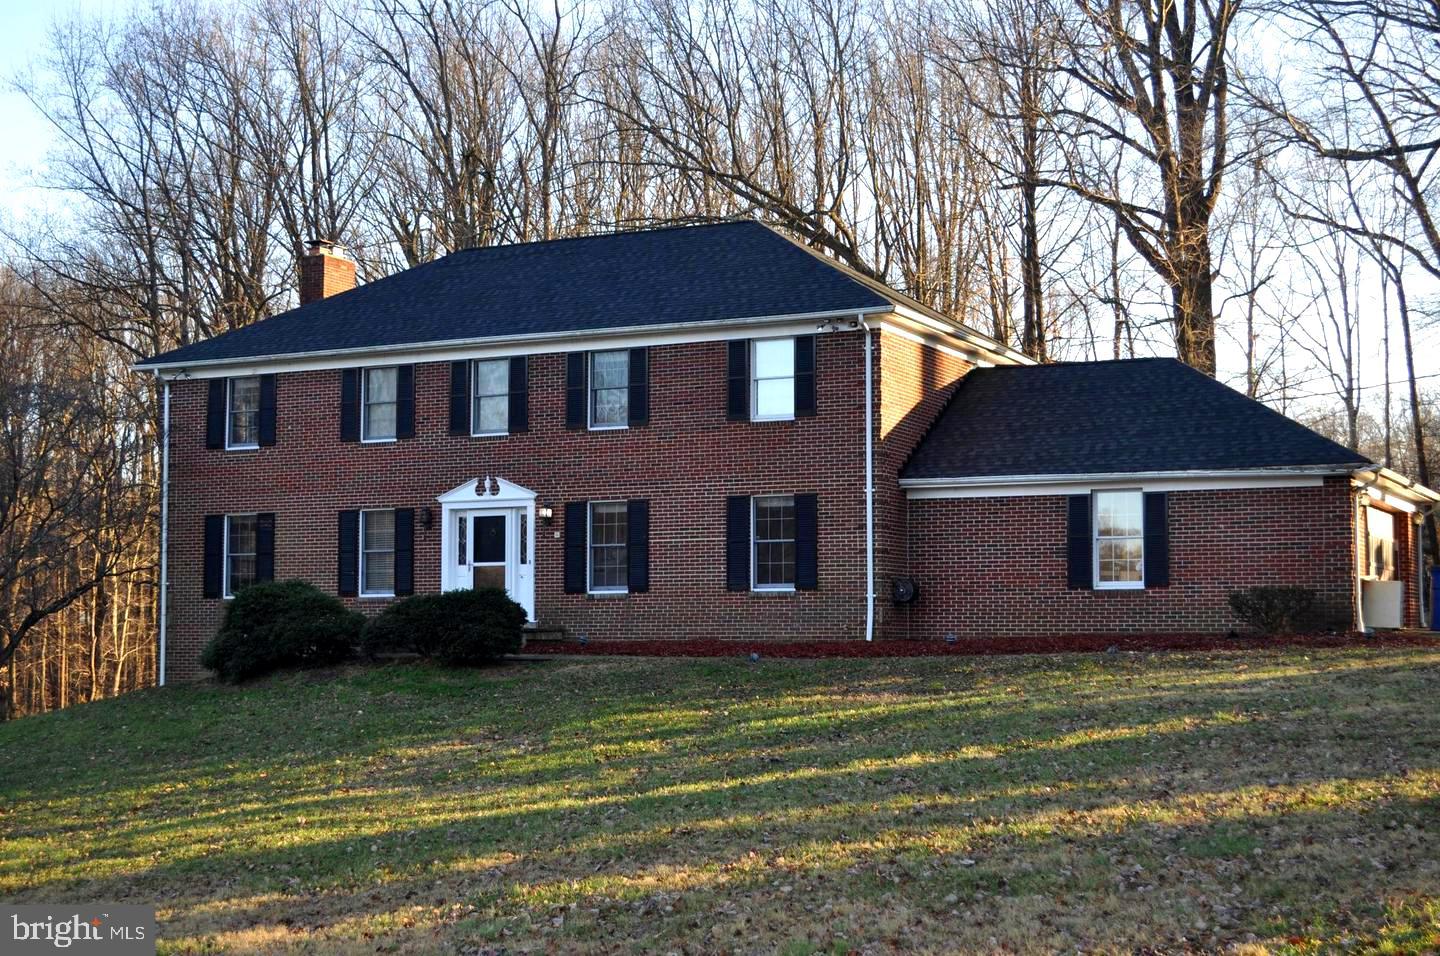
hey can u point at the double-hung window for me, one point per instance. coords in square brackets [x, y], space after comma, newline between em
[240, 552]
[1380, 544]
[610, 389]
[377, 553]
[772, 379]
[1119, 539]
[378, 401]
[242, 419]
[490, 397]
[773, 534]
[609, 555]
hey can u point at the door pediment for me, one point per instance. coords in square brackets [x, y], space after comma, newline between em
[486, 492]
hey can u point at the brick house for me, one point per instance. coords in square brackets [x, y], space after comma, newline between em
[713, 432]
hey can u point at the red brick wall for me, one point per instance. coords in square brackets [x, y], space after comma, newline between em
[914, 382]
[686, 461]
[996, 566]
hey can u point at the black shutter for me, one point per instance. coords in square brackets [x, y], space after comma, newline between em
[265, 547]
[737, 395]
[640, 386]
[405, 401]
[404, 551]
[804, 375]
[1157, 540]
[737, 543]
[215, 414]
[637, 545]
[214, 555]
[349, 404]
[807, 576]
[348, 578]
[575, 539]
[267, 409]
[460, 398]
[519, 395]
[1080, 573]
[575, 390]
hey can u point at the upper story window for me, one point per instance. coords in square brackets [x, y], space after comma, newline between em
[380, 390]
[773, 534]
[240, 552]
[1119, 539]
[609, 555]
[377, 553]
[242, 418]
[610, 389]
[772, 379]
[490, 397]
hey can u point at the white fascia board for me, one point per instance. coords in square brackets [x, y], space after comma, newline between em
[505, 346]
[1017, 486]
[1393, 488]
[992, 352]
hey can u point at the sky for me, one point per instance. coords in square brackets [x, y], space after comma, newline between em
[25, 140]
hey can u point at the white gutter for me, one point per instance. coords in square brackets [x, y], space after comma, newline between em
[164, 530]
[496, 341]
[989, 480]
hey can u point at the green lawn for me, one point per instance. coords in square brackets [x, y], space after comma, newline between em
[1269, 801]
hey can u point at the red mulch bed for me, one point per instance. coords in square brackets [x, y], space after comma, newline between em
[1073, 644]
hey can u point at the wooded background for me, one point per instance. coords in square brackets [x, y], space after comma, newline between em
[1248, 185]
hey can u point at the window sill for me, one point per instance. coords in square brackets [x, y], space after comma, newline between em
[607, 428]
[377, 596]
[378, 441]
[1136, 586]
[786, 590]
[489, 434]
[772, 418]
[617, 593]
[255, 447]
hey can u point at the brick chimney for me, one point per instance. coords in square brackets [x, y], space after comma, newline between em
[326, 269]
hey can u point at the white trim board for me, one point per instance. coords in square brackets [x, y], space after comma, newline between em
[1081, 484]
[506, 346]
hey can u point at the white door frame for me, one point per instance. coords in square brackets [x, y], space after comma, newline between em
[491, 496]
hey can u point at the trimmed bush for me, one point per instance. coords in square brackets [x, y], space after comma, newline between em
[457, 628]
[1275, 610]
[280, 624]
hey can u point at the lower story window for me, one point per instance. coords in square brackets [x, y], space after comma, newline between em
[240, 550]
[609, 531]
[773, 534]
[1119, 539]
[377, 553]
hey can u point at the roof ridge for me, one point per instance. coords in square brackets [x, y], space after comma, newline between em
[643, 230]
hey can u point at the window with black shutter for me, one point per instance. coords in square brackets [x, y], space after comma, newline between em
[1079, 556]
[214, 576]
[404, 551]
[638, 545]
[638, 412]
[348, 545]
[215, 414]
[804, 376]
[576, 518]
[737, 543]
[267, 410]
[577, 391]
[265, 547]
[737, 391]
[349, 404]
[1157, 539]
[405, 402]
[807, 533]
[460, 398]
[519, 394]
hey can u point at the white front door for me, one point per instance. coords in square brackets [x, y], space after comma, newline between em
[488, 540]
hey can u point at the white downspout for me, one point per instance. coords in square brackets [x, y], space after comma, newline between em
[164, 529]
[869, 482]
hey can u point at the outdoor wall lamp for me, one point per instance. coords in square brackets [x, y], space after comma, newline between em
[546, 514]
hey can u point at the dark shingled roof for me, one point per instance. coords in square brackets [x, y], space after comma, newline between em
[667, 276]
[1136, 415]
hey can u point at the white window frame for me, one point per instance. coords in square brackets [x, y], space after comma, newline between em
[591, 389]
[755, 549]
[590, 552]
[225, 562]
[1095, 539]
[475, 398]
[756, 379]
[360, 562]
[365, 405]
[229, 418]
